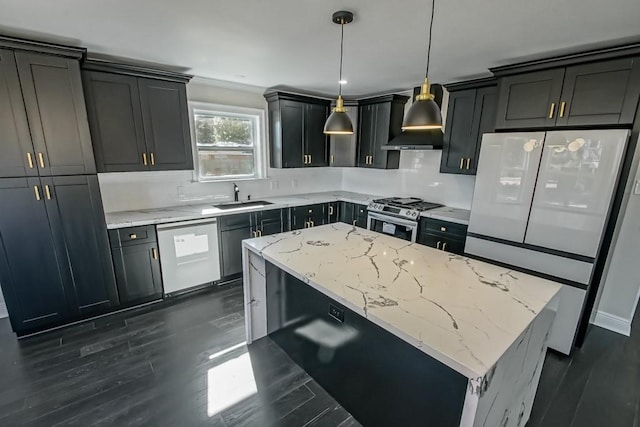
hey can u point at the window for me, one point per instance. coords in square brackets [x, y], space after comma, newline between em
[227, 142]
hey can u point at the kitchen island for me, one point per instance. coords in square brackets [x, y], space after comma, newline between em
[397, 332]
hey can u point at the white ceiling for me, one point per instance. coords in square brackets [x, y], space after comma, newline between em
[294, 43]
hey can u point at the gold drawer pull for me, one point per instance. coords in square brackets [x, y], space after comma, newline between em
[332, 159]
[144, 159]
[41, 159]
[153, 159]
[133, 236]
[468, 163]
[330, 210]
[37, 191]
[563, 104]
[444, 246]
[30, 160]
[438, 245]
[355, 221]
[461, 163]
[154, 253]
[47, 192]
[552, 110]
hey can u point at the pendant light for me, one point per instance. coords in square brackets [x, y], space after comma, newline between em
[339, 122]
[424, 113]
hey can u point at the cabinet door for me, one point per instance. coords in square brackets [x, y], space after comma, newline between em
[346, 212]
[315, 139]
[18, 158]
[529, 100]
[115, 119]
[333, 212]
[484, 121]
[54, 100]
[231, 250]
[77, 222]
[381, 135]
[455, 246]
[292, 122]
[268, 228]
[343, 148]
[505, 182]
[576, 182]
[360, 215]
[318, 215]
[138, 273]
[602, 93]
[29, 274]
[458, 132]
[166, 124]
[366, 134]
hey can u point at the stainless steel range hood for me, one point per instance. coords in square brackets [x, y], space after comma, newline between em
[419, 139]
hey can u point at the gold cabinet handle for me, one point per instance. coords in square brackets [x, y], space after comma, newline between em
[307, 224]
[41, 159]
[37, 191]
[444, 246]
[133, 236]
[30, 160]
[153, 159]
[468, 163]
[443, 228]
[254, 234]
[312, 223]
[563, 105]
[259, 233]
[552, 110]
[332, 159]
[47, 191]
[438, 245]
[330, 210]
[144, 159]
[461, 163]
[154, 253]
[355, 221]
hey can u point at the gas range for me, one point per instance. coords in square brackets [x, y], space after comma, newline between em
[402, 207]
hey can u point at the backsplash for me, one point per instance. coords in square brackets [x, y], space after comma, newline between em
[419, 176]
[146, 190]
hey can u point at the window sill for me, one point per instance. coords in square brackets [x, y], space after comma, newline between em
[239, 179]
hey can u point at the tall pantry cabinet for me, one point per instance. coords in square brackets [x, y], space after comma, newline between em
[55, 263]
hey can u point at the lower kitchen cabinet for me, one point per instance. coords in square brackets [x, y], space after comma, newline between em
[307, 216]
[55, 264]
[231, 250]
[354, 214]
[443, 235]
[333, 212]
[138, 273]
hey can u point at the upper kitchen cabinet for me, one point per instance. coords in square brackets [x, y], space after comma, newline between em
[43, 119]
[599, 88]
[296, 130]
[379, 121]
[138, 118]
[470, 114]
[343, 148]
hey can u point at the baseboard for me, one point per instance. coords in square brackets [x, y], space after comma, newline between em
[613, 323]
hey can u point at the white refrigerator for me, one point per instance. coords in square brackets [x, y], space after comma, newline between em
[541, 203]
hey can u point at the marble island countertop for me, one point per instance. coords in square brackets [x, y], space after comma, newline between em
[201, 211]
[462, 312]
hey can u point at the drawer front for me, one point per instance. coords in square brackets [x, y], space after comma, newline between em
[445, 228]
[132, 236]
[270, 216]
[438, 241]
[232, 222]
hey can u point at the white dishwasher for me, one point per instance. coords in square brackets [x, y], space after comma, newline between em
[189, 254]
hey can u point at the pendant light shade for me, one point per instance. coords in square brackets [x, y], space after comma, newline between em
[339, 122]
[424, 113]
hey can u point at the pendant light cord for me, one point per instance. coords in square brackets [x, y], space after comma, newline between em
[433, 10]
[341, 52]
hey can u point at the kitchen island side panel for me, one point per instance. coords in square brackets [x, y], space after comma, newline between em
[379, 378]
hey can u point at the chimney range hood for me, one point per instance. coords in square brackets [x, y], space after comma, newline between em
[419, 139]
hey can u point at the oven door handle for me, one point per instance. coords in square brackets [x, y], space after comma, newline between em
[393, 220]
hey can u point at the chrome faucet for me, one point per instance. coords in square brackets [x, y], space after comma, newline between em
[236, 192]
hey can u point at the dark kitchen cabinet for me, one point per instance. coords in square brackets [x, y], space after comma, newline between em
[529, 100]
[600, 93]
[231, 250]
[470, 114]
[443, 235]
[137, 264]
[296, 125]
[30, 273]
[588, 94]
[379, 121]
[55, 106]
[354, 214]
[264, 223]
[18, 156]
[138, 118]
[307, 216]
[332, 210]
[76, 215]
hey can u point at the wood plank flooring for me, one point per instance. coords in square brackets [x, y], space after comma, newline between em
[185, 363]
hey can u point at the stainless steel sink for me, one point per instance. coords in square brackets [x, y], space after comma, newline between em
[240, 205]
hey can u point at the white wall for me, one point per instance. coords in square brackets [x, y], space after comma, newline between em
[618, 296]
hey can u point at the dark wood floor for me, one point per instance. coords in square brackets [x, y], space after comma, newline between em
[186, 364]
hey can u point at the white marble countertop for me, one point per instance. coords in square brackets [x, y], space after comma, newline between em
[445, 213]
[201, 211]
[462, 312]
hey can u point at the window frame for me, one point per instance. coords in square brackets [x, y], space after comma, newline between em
[260, 153]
